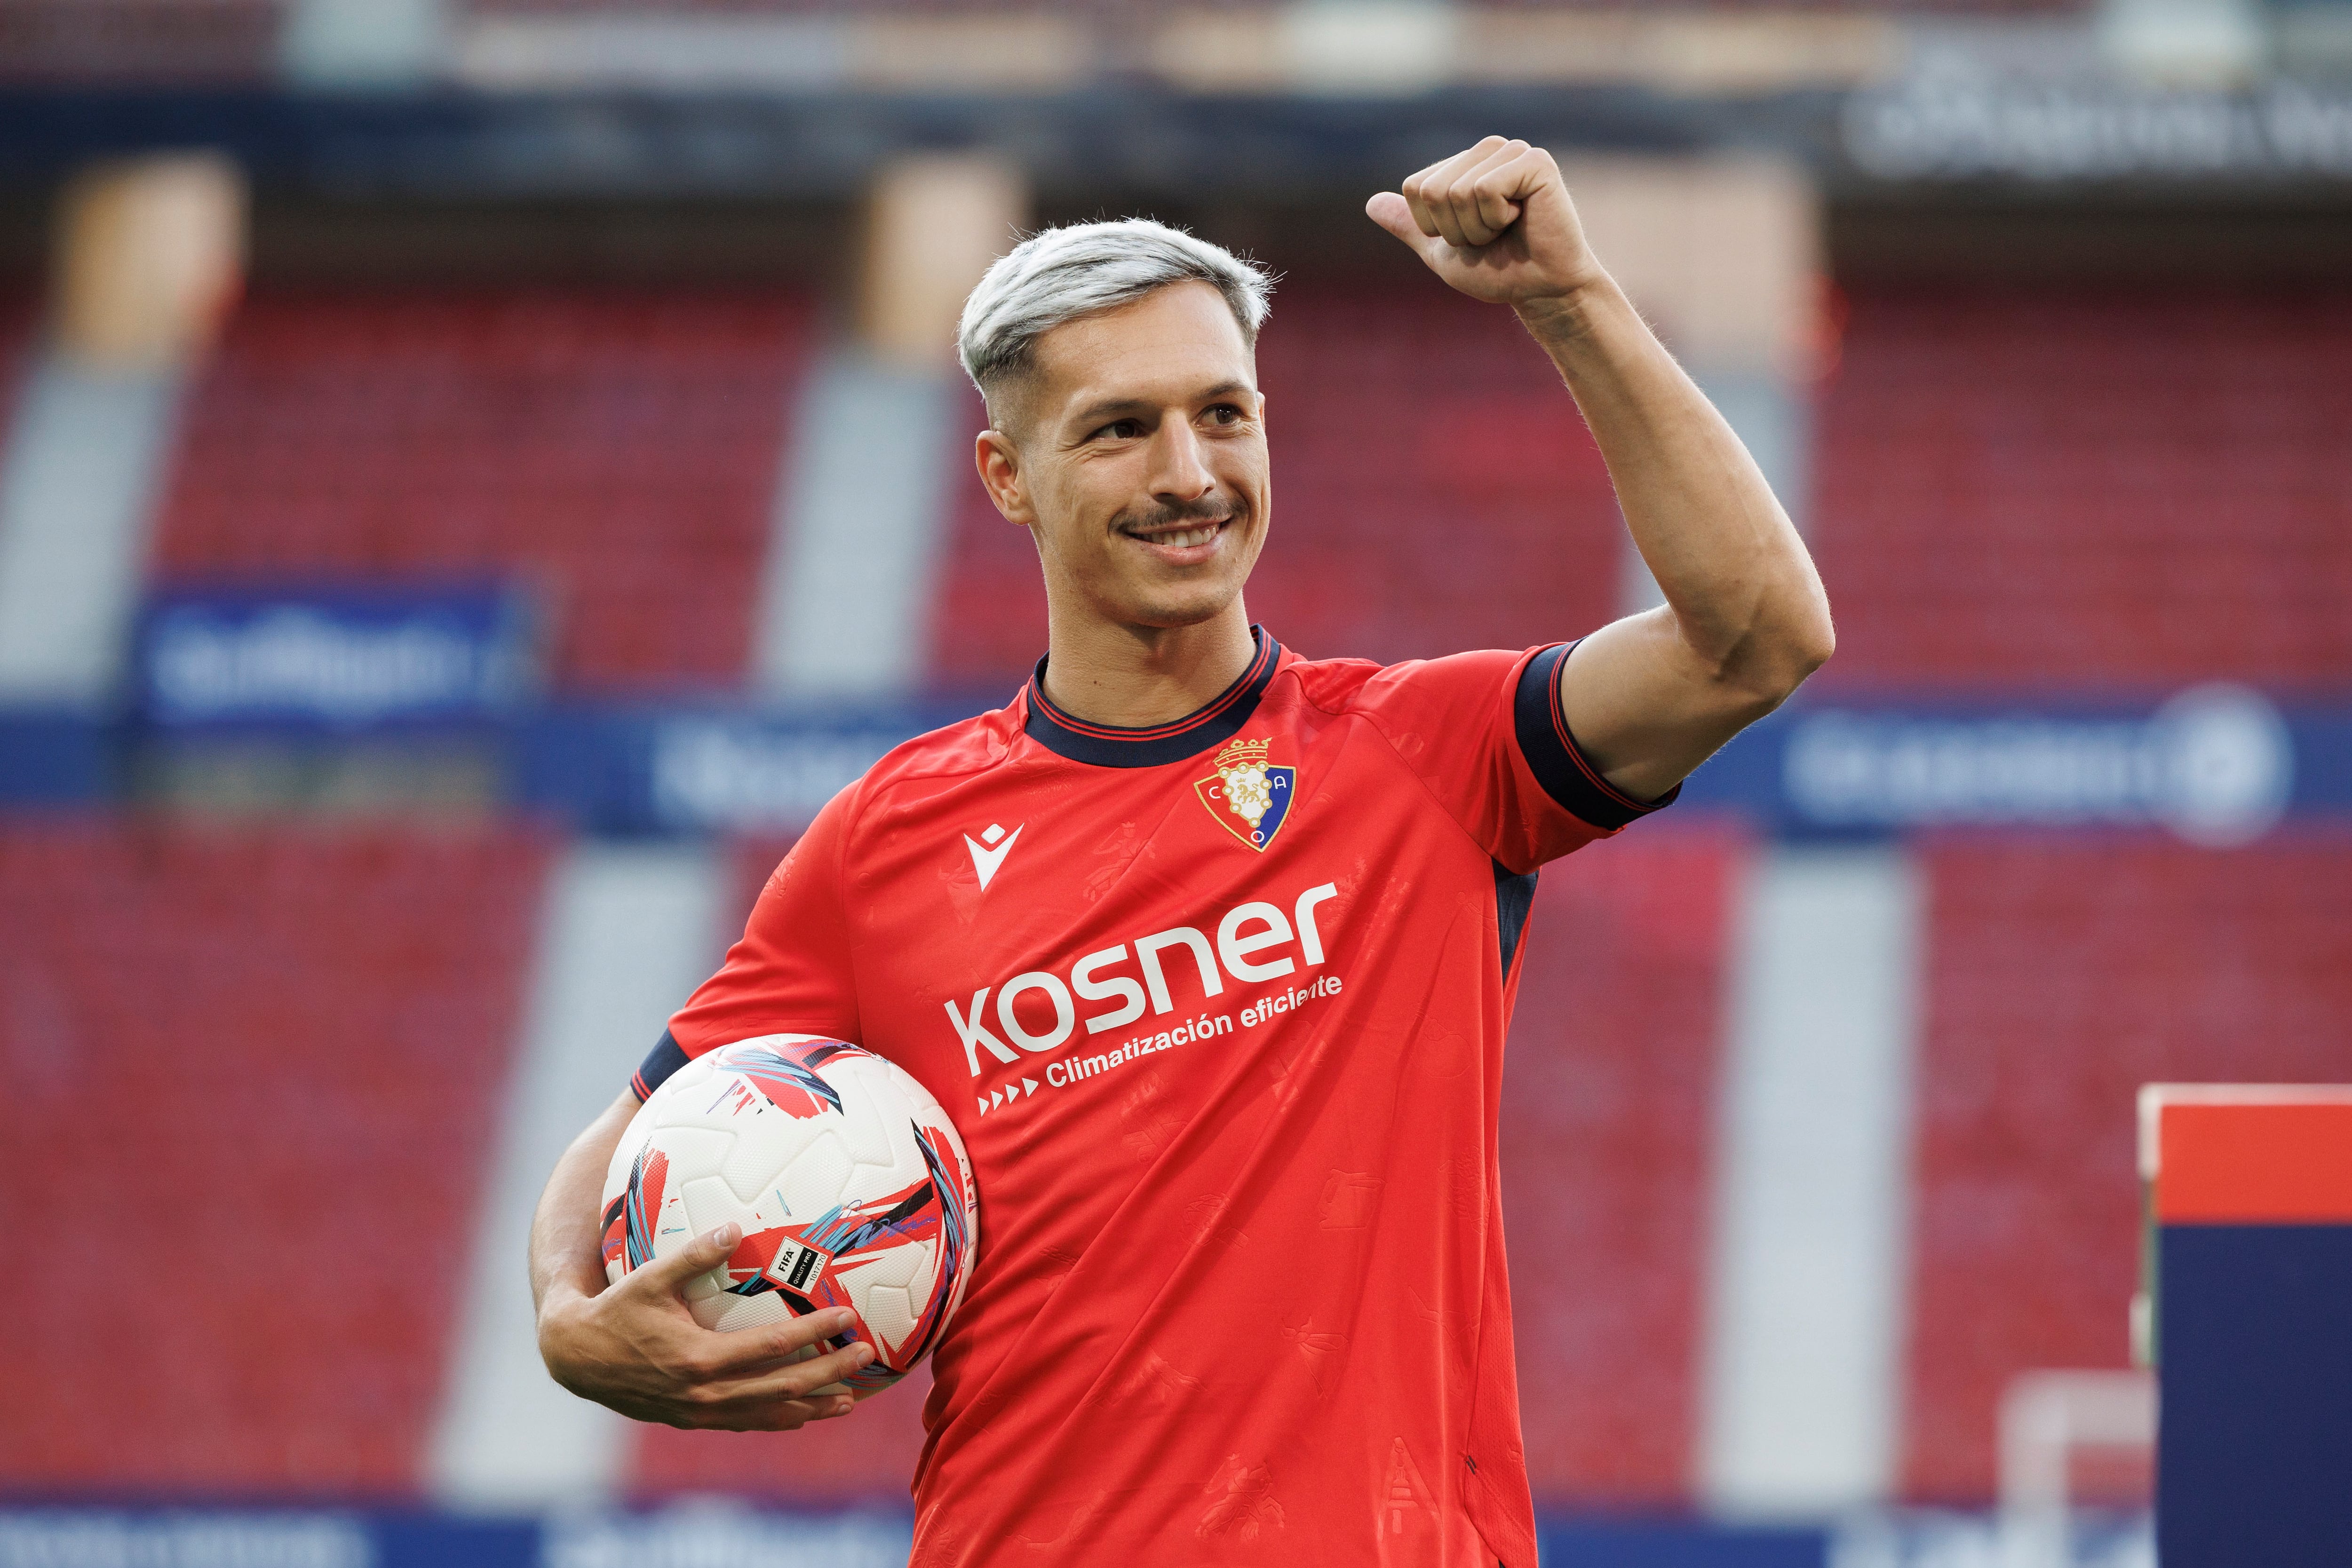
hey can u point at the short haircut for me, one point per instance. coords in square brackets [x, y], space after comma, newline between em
[1062, 274]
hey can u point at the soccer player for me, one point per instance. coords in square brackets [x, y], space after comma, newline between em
[1210, 946]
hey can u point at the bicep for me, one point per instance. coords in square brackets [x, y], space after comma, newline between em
[592, 1151]
[1645, 707]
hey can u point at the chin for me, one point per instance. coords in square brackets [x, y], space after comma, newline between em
[1180, 610]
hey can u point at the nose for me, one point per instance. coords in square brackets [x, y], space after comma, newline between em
[1179, 474]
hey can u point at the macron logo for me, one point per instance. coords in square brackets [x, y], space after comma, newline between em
[985, 860]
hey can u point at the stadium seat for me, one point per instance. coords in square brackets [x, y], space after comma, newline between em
[616, 449]
[254, 1075]
[2044, 487]
[19, 316]
[2063, 973]
[141, 42]
[1609, 1113]
[1435, 490]
[1120, 10]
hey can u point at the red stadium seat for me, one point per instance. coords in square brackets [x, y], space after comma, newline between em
[2081, 487]
[1435, 490]
[617, 449]
[19, 316]
[1609, 1113]
[1119, 10]
[254, 1075]
[2063, 973]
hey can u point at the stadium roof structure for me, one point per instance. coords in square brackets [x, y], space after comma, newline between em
[768, 99]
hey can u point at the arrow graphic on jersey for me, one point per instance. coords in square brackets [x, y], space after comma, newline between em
[985, 861]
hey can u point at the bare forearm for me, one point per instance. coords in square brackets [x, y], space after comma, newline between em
[1652, 695]
[1746, 607]
[566, 1243]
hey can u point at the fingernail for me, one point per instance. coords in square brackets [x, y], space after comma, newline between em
[724, 1236]
[845, 1318]
[861, 1353]
[844, 1407]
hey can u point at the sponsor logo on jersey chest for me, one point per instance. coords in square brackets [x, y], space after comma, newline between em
[1249, 795]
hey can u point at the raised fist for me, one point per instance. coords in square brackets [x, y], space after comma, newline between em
[1495, 222]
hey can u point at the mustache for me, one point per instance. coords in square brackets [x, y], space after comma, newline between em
[1207, 509]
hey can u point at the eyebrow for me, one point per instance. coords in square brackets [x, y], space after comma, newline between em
[1113, 408]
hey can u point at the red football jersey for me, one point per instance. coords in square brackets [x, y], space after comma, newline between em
[1218, 1007]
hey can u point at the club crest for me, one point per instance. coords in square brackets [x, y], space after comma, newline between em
[1249, 798]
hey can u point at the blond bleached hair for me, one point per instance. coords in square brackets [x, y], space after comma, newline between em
[1061, 273]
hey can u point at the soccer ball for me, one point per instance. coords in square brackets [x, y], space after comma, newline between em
[850, 1184]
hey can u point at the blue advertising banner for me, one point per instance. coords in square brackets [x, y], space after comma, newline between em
[52, 756]
[705, 770]
[332, 657]
[2215, 764]
[718, 1532]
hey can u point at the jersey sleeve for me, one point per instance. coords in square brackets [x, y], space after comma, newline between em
[788, 973]
[1486, 734]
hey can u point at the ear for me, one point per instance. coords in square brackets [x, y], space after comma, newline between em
[999, 461]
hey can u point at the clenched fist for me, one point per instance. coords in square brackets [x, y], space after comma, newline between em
[1495, 222]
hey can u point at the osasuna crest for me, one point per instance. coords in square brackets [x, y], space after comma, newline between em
[1250, 798]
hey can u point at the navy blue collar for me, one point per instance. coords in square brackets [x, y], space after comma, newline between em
[1203, 729]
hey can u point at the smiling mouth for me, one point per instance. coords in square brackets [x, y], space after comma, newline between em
[1183, 538]
[1190, 533]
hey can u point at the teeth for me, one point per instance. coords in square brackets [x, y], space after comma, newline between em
[1188, 537]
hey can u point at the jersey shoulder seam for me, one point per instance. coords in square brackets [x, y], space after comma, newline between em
[1369, 722]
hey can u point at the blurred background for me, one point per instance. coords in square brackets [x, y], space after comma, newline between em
[475, 475]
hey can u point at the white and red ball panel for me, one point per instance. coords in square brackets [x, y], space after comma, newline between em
[849, 1182]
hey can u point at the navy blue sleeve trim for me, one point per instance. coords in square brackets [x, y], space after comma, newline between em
[663, 1059]
[1559, 764]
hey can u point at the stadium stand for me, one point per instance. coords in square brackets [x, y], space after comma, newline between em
[253, 1074]
[1607, 1127]
[19, 316]
[2088, 486]
[186, 42]
[988, 620]
[2063, 972]
[1398, 418]
[1111, 10]
[617, 449]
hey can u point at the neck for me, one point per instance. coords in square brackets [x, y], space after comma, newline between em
[1134, 676]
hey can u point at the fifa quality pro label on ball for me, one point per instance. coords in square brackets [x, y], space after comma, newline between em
[798, 1265]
